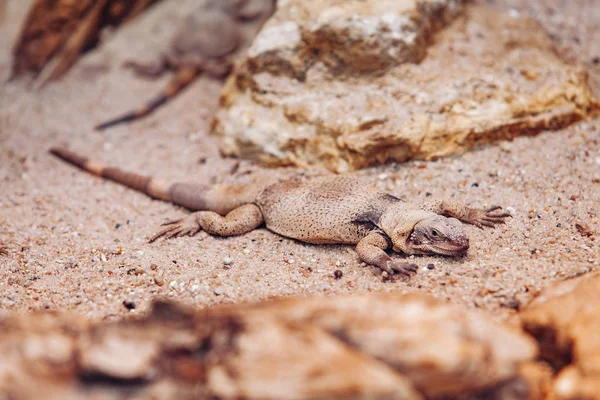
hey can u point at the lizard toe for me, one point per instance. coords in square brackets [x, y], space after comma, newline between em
[489, 222]
[493, 208]
[404, 267]
[493, 219]
[158, 235]
[171, 233]
[478, 224]
[172, 222]
[501, 215]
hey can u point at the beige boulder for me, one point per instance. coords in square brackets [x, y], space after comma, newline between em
[348, 84]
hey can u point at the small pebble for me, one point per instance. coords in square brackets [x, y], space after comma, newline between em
[219, 290]
[430, 266]
[583, 228]
[383, 176]
[510, 209]
[70, 265]
[337, 274]
[227, 261]
[173, 285]
[129, 304]
[511, 302]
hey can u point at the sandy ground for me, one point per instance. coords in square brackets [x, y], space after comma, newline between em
[78, 243]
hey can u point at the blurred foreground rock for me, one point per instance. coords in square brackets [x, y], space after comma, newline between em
[377, 347]
[565, 319]
[348, 84]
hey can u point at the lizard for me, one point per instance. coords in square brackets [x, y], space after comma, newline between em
[334, 209]
[208, 41]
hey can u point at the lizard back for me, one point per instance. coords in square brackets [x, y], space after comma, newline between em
[327, 210]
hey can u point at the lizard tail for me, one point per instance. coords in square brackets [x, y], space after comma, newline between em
[183, 77]
[145, 184]
[218, 198]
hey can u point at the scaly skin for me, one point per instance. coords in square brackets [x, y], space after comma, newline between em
[323, 210]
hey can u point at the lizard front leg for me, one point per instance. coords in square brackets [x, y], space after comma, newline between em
[480, 218]
[371, 248]
[238, 221]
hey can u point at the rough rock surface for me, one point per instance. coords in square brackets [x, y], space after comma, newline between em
[377, 346]
[304, 96]
[565, 319]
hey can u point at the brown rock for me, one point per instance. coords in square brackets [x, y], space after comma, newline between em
[440, 348]
[377, 346]
[565, 319]
[347, 84]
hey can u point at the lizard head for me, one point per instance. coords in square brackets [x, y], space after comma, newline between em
[437, 235]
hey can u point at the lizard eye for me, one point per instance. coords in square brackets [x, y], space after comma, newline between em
[434, 233]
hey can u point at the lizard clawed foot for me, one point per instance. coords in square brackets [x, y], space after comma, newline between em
[180, 227]
[490, 217]
[3, 250]
[404, 268]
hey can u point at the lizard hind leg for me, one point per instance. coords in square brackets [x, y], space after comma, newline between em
[238, 221]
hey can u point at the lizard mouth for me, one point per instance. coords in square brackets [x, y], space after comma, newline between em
[424, 245]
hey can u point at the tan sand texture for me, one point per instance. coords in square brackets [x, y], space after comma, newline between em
[76, 242]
